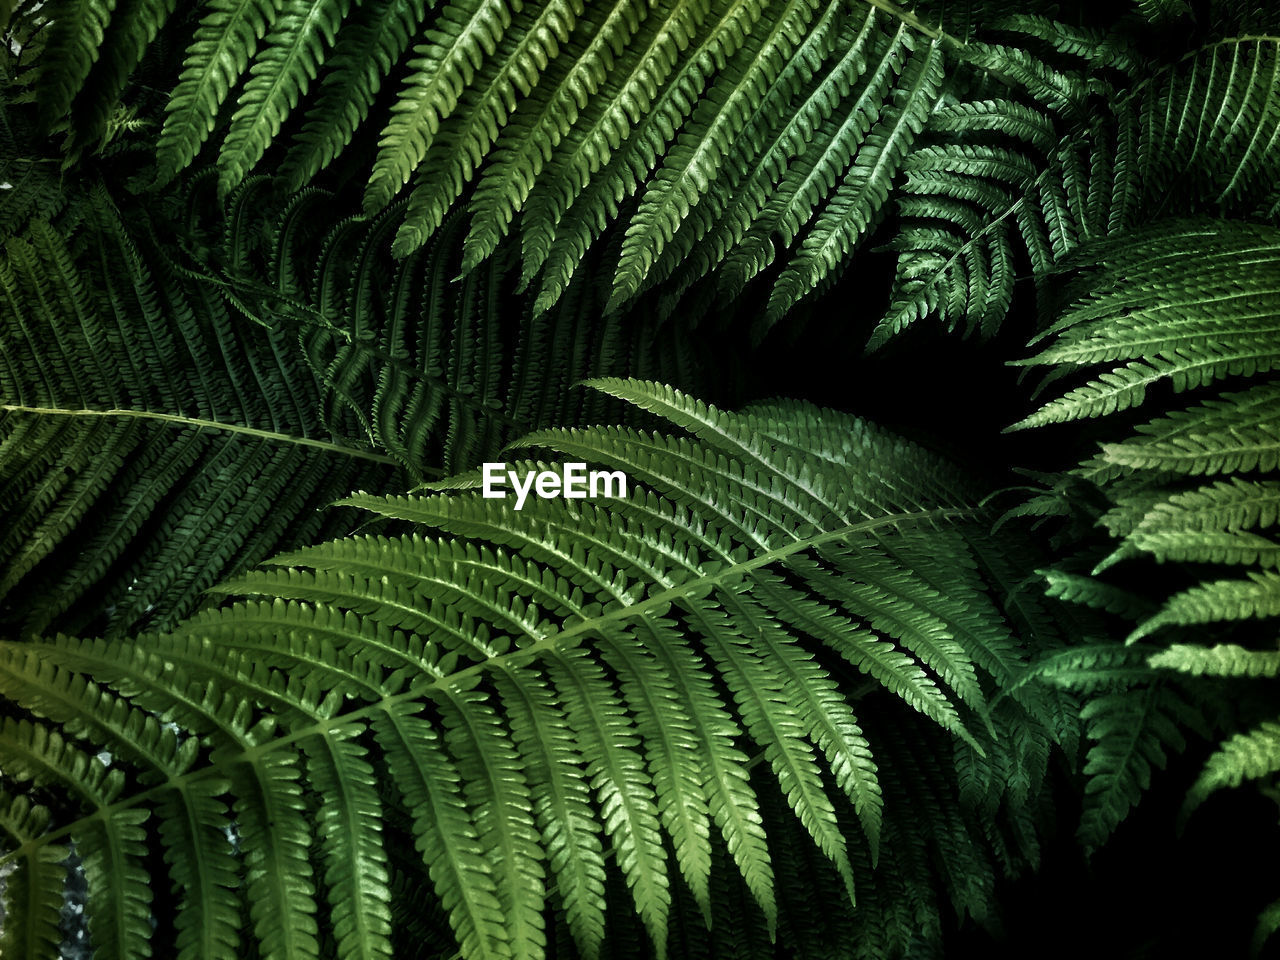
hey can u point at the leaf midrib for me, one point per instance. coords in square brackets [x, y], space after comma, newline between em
[203, 424]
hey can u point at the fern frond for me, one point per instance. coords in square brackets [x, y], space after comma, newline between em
[1132, 732]
[1219, 600]
[33, 893]
[1223, 660]
[1213, 525]
[279, 75]
[518, 65]
[122, 388]
[436, 371]
[1092, 592]
[458, 43]
[1237, 433]
[706, 144]
[1199, 127]
[224, 43]
[565, 698]
[1173, 313]
[363, 54]
[1158, 11]
[1189, 306]
[1246, 756]
[865, 186]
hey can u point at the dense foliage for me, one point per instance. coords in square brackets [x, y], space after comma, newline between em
[278, 680]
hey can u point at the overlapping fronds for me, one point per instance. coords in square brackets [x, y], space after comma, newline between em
[716, 134]
[152, 440]
[1185, 307]
[1132, 718]
[1059, 158]
[638, 713]
[724, 138]
[437, 371]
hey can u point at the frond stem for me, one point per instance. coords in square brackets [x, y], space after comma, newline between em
[202, 425]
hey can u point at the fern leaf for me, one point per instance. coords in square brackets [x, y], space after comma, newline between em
[696, 158]
[527, 143]
[865, 186]
[792, 112]
[278, 77]
[553, 688]
[1222, 660]
[1131, 730]
[460, 39]
[1157, 11]
[119, 899]
[1212, 525]
[558, 234]
[1246, 756]
[220, 51]
[133, 26]
[1095, 593]
[561, 803]
[819, 168]
[76, 33]
[194, 828]
[1190, 339]
[445, 831]
[100, 426]
[363, 54]
[1257, 596]
[497, 791]
[275, 836]
[32, 894]
[356, 872]
[517, 67]
[1238, 432]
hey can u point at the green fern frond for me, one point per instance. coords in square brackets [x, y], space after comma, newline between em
[1092, 592]
[220, 50]
[1187, 303]
[703, 147]
[439, 372]
[1158, 11]
[1199, 127]
[851, 208]
[568, 700]
[1237, 433]
[461, 38]
[281, 71]
[718, 118]
[1213, 525]
[123, 389]
[33, 893]
[1223, 660]
[363, 52]
[1090, 668]
[1132, 732]
[1246, 756]
[1173, 313]
[1219, 600]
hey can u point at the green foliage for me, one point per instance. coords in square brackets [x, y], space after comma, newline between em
[1086, 154]
[556, 112]
[1162, 313]
[556, 694]
[440, 372]
[186, 386]
[152, 442]
[1181, 307]
[792, 695]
